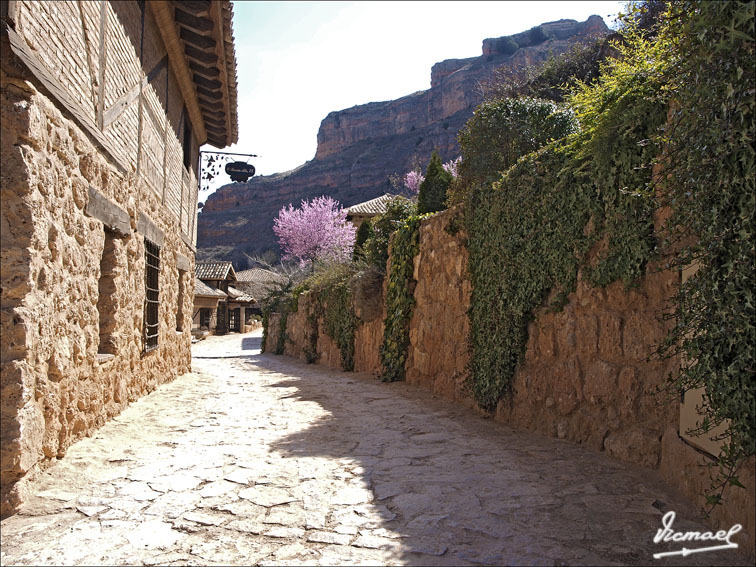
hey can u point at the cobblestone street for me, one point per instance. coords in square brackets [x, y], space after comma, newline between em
[262, 459]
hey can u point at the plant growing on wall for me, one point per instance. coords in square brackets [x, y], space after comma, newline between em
[398, 210]
[316, 232]
[432, 194]
[709, 168]
[527, 230]
[364, 232]
[400, 301]
[501, 131]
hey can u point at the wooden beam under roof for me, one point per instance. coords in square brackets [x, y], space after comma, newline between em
[203, 42]
[201, 26]
[199, 55]
[223, 19]
[163, 12]
[207, 83]
[198, 8]
[204, 70]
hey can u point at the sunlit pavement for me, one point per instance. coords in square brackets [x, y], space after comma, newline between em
[262, 459]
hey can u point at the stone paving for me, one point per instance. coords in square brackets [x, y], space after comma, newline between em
[260, 459]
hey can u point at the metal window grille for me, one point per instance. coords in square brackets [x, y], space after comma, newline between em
[205, 315]
[151, 301]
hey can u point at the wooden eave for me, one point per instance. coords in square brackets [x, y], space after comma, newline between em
[198, 36]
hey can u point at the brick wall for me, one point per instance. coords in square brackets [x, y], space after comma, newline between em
[141, 119]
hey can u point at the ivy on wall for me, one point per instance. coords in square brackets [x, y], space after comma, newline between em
[710, 172]
[283, 301]
[336, 308]
[332, 304]
[405, 245]
[527, 232]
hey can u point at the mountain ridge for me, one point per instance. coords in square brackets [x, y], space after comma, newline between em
[361, 147]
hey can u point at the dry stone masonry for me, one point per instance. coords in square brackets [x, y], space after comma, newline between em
[99, 145]
[587, 376]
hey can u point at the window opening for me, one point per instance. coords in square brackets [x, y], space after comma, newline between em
[180, 306]
[187, 142]
[205, 318]
[106, 307]
[151, 302]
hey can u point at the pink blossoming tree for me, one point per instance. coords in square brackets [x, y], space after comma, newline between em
[316, 232]
[453, 167]
[412, 181]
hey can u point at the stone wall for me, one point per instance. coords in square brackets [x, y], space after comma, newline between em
[55, 387]
[587, 377]
[438, 351]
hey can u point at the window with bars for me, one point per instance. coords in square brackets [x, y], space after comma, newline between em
[205, 315]
[151, 300]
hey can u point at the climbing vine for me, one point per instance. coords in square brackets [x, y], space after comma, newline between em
[339, 320]
[709, 167]
[283, 301]
[400, 302]
[530, 231]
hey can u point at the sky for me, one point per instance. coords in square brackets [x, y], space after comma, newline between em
[298, 61]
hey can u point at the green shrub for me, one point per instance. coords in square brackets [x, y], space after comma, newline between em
[432, 195]
[502, 131]
[536, 35]
[364, 232]
[506, 46]
[398, 210]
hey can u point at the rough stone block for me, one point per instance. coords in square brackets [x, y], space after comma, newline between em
[639, 446]
[587, 334]
[610, 336]
[600, 383]
[106, 211]
[183, 263]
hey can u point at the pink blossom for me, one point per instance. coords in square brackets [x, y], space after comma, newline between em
[453, 167]
[318, 231]
[412, 181]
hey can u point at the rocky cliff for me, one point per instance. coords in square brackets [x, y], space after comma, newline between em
[361, 147]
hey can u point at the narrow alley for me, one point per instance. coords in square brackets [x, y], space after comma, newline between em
[262, 459]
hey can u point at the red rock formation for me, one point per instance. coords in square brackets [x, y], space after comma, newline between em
[361, 147]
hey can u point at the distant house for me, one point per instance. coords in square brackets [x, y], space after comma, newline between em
[359, 213]
[206, 300]
[258, 283]
[241, 310]
[220, 307]
[104, 107]
[216, 277]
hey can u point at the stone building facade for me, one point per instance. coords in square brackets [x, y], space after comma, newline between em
[104, 107]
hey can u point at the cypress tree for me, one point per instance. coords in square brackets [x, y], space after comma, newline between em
[363, 233]
[432, 194]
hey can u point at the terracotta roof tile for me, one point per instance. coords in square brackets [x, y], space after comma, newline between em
[259, 275]
[215, 271]
[375, 206]
[201, 289]
[240, 296]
